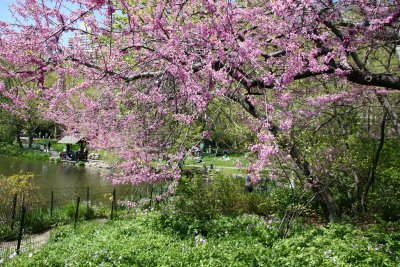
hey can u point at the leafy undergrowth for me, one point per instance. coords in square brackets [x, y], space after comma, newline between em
[246, 240]
[15, 151]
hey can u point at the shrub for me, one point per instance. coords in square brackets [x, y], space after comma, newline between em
[197, 203]
[20, 185]
[384, 197]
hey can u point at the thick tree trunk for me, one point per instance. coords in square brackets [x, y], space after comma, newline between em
[55, 131]
[327, 202]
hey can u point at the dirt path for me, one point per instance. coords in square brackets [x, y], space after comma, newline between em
[29, 243]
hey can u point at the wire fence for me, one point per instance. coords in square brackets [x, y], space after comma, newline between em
[25, 220]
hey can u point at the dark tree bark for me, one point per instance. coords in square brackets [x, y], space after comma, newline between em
[375, 161]
[322, 192]
[357, 192]
[390, 111]
[18, 137]
[30, 139]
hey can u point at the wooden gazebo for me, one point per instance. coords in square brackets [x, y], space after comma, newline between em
[81, 154]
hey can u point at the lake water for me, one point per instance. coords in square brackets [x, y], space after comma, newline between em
[68, 181]
[49, 176]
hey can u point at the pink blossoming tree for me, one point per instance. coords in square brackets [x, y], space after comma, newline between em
[133, 72]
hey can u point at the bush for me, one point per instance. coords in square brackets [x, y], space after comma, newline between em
[85, 211]
[197, 203]
[384, 197]
[21, 185]
[80, 164]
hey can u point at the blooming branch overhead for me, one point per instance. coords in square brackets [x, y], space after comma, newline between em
[127, 74]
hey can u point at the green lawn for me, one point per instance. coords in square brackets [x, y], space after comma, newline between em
[15, 151]
[54, 144]
[227, 167]
[104, 155]
[218, 161]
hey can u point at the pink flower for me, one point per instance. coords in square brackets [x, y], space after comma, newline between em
[207, 134]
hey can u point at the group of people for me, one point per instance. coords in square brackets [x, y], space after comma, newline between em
[69, 154]
[46, 146]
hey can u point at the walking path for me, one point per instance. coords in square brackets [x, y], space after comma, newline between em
[29, 243]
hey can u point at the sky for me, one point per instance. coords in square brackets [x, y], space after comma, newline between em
[5, 14]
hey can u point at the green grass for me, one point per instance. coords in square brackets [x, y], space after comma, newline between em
[54, 144]
[225, 167]
[231, 241]
[38, 219]
[107, 156]
[218, 161]
[15, 151]
[104, 155]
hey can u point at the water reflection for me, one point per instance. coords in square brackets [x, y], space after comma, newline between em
[51, 176]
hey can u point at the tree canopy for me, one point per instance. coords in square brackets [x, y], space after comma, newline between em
[144, 69]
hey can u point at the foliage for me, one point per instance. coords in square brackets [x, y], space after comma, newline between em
[80, 164]
[15, 151]
[288, 79]
[213, 60]
[385, 195]
[338, 245]
[198, 202]
[7, 127]
[39, 219]
[232, 241]
[21, 185]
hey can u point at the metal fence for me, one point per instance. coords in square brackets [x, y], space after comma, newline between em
[25, 222]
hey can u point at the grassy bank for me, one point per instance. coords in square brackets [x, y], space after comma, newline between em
[40, 219]
[104, 155]
[217, 224]
[15, 151]
[246, 240]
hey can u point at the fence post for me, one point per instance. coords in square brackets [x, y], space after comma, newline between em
[52, 204]
[13, 211]
[113, 204]
[87, 202]
[77, 211]
[21, 228]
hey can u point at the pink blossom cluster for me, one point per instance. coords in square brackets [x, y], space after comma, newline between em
[134, 81]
